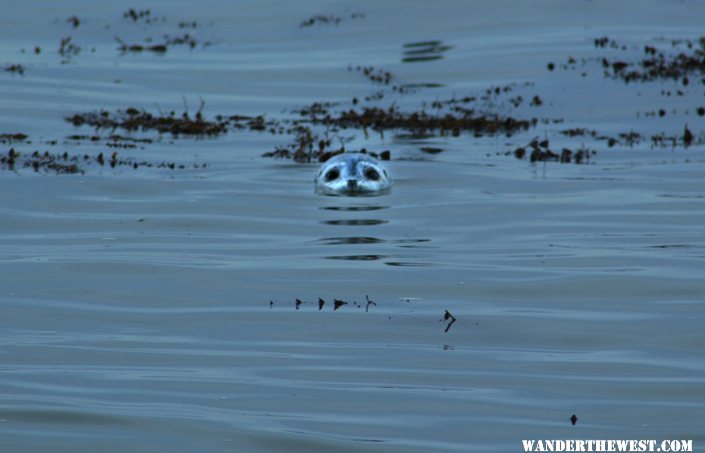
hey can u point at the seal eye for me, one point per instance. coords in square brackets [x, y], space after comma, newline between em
[332, 174]
[371, 174]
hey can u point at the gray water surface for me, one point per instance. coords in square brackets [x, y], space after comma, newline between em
[154, 309]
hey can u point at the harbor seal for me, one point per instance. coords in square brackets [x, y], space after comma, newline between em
[352, 174]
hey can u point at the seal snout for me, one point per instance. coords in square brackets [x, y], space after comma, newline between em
[352, 185]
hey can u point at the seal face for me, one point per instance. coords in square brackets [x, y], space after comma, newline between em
[352, 174]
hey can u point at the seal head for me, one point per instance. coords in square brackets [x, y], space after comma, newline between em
[352, 174]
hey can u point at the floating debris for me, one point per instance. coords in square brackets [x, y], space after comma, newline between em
[68, 49]
[321, 303]
[573, 419]
[687, 136]
[74, 21]
[337, 303]
[142, 14]
[320, 19]
[15, 68]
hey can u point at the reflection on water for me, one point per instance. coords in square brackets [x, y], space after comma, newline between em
[350, 240]
[356, 257]
[414, 136]
[420, 85]
[353, 208]
[424, 51]
[408, 243]
[431, 149]
[354, 240]
[354, 222]
[381, 246]
[407, 264]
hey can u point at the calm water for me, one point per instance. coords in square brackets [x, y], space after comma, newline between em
[153, 309]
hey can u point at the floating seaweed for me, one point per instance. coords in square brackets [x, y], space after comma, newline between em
[134, 48]
[420, 122]
[9, 138]
[375, 75]
[135, 15]
[540, 151]
[657, 64]
[133, 119]
[65, 163]
[331, 19]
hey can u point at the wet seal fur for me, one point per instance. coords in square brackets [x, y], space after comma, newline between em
[352, 174]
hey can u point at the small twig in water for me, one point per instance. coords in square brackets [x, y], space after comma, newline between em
[200, 108]
[369, 302]
[448, 316]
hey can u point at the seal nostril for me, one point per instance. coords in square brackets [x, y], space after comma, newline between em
[352, 184]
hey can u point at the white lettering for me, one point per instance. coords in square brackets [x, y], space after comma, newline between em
[528, 445]
[607, 445]
[677, 445]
